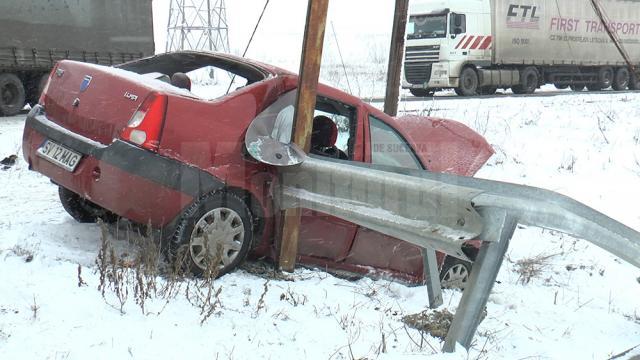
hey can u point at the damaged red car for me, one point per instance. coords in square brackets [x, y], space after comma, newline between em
[161, 140]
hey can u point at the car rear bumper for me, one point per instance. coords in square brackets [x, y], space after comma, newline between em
[130, 181]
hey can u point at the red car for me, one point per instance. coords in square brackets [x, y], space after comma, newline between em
[142, 142]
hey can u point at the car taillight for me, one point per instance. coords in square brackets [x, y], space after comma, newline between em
[145, 127]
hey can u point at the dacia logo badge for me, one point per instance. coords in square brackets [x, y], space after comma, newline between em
[85, 83]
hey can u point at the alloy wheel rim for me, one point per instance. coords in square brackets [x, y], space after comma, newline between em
[218, 234]
[455, 277]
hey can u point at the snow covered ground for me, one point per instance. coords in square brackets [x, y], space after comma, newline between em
[579, 302]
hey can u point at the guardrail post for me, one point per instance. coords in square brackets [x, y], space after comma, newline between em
[499, 228]
[432, 277]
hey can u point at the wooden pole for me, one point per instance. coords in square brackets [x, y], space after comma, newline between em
[305, 104]
[396, 52]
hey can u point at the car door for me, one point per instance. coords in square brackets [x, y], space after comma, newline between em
[323, 237]
[385, 146]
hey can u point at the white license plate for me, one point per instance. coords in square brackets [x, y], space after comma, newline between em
[59, 155]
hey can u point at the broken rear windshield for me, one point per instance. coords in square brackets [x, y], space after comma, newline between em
[427, 26]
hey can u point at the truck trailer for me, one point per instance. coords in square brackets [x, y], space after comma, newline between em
[478, 46]
[38, 33]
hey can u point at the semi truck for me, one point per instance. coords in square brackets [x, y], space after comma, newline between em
[38, 33]
[478, 46]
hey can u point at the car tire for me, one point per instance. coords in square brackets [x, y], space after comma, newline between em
[83, 210]
[468, 83]
[422, 92]
[12, 94]
[455, 273]
[529, 78]
[218, 221]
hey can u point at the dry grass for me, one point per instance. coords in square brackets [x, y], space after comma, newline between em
[144, 278]
[436, 323]
[530, 268]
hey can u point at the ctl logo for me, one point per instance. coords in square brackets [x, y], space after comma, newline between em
[523, 16]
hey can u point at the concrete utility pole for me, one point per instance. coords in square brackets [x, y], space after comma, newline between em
[303, 124]
[396, 53]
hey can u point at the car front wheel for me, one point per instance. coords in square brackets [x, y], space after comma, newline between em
[214, 235]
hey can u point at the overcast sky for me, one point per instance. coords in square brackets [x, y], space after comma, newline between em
[361, 25]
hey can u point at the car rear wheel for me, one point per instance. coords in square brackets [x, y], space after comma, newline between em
[83, 210]
[214, 235]
[455, 273]
[12, 94]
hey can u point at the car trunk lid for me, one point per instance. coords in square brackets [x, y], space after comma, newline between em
[96, 101]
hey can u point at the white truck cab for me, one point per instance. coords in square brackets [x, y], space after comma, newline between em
[442, 37]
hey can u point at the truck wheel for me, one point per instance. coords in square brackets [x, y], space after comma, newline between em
[528, 81]
[12, 94]
[621, 79]
[83, 210]
[577, 87]
[468, 85]
[605, 77]
[561, 86]
[421, 92]
[634, 82]
[455, 273]
[487, 90]
[594, 87]
[218, 227]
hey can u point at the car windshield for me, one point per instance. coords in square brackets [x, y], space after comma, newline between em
[427, 26]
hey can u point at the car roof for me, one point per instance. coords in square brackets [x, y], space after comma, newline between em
[188, 60]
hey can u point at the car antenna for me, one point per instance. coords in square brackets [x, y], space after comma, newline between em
[249, 43]
[344, 68]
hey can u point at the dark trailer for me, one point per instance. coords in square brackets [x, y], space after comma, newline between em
[38, 33]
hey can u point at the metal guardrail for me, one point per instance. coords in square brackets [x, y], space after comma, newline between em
[441, 211]
[436, 212]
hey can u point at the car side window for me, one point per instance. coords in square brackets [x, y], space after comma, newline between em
[334, 129]
[390, 148]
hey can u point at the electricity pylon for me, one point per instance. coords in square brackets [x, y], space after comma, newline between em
[198, 25]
